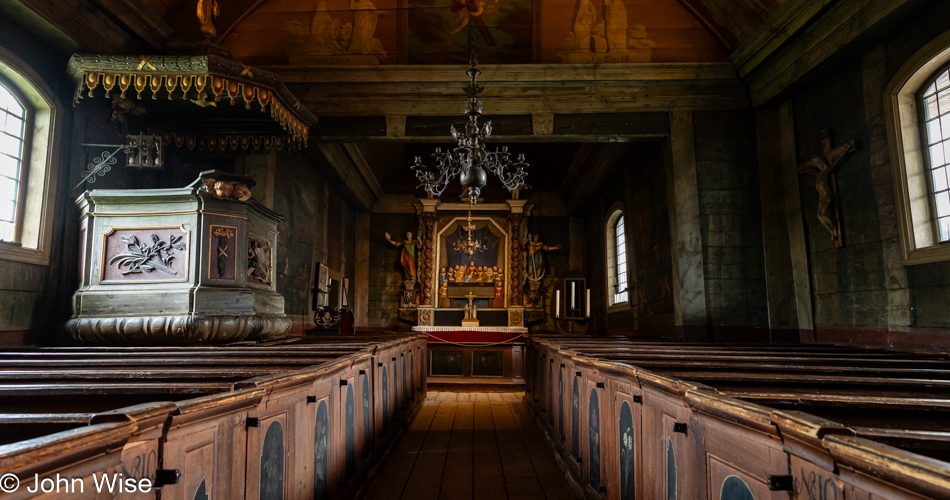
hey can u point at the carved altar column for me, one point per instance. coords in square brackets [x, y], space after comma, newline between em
[427, 215]
[515, 264]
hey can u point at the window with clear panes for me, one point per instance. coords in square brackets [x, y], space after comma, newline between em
[620, 295]
[935, 106]
[13, 118]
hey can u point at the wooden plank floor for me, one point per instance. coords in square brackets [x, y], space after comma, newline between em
[471, 446]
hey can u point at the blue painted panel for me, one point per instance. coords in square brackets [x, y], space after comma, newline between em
[560, 402]
[734, 488]
[627, 454]
[202, 492]
[576, 421]
[350, 432]
[272, 463]
[593, 439]
[367, 430]
[321, 453]
[385, 398]
[670, 472]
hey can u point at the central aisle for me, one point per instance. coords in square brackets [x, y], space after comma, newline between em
[471, 445]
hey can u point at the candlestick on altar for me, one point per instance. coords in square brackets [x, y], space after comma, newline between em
[557, 304]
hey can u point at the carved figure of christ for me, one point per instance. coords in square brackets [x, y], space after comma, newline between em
[823, 166]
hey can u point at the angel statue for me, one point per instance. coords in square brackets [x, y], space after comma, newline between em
[409, 250]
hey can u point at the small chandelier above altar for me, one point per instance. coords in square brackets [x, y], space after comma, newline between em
[470, 160]
[470, 245]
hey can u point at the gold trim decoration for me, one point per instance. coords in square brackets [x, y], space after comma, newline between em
[195, 78]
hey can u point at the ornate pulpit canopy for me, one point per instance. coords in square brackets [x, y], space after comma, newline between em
[227, 105]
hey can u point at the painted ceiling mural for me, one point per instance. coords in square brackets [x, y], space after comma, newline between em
[320, 32]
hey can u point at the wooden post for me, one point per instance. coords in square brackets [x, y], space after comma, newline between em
[689, 286]
[360, 285]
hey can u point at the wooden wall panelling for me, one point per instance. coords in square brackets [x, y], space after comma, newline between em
[750, 450]
[277, 452]
[669, 455]
[207, 441]
[623, 436]
[821, 37]
[595, 411]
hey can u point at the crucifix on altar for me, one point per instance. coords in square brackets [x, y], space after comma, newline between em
[471, 311]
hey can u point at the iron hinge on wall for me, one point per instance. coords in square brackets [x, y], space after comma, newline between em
[780, 483]
[165, 477]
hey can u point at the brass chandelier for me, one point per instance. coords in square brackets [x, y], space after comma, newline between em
[470, 160]
[471, 245]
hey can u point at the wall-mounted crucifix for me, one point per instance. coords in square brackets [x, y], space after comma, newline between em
[823, 166]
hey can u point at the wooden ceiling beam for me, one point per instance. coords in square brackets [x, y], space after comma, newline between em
[604, 161]
[539, 90]
[86, 23]
[346, 172]
[144, 21]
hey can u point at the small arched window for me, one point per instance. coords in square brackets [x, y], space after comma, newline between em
[14, 123]
[935, 116]
[616, 258]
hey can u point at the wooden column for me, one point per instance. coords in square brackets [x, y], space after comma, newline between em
[875, 80]
[689, 287]
[780, 284]
[797, 245]
[361, 280]
[576, 258]
[427, 210]
[515, 262]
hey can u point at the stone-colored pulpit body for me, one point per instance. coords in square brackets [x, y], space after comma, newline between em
[178, 266]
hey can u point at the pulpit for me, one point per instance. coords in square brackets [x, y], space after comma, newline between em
[193, 265]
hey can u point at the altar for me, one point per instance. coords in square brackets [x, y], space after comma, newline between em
[475, 355]
[473, 281]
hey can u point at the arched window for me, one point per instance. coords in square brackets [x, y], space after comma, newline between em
[917, 112]
[616, 258]
[935, 115]
[14, 122]
[30, 124]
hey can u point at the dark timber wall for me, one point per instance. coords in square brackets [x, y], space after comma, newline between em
[863, 294]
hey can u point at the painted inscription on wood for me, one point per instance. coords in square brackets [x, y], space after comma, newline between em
[593, 439]
[627, 454]
[321, 453]
[272, 463]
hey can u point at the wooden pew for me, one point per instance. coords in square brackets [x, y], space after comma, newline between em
[720, 424]
[209, 436]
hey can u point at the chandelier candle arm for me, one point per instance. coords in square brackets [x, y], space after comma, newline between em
[470, 161]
